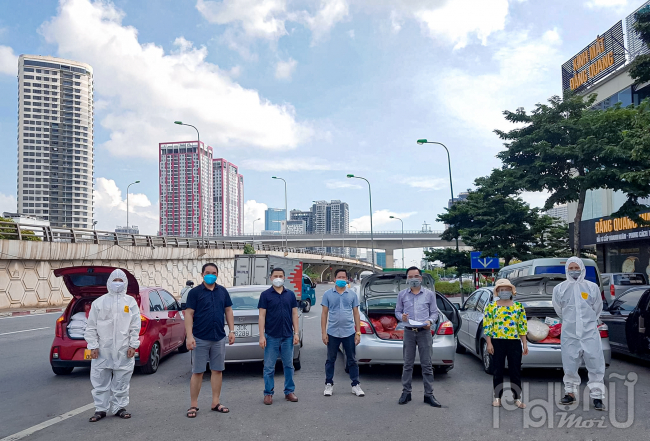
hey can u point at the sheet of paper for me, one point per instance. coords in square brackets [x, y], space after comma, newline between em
[415, 323]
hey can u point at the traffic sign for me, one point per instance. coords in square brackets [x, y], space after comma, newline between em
[483, 263]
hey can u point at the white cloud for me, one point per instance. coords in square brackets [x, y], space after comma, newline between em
[8, 203]
[254, 210]
[424, 183]
[285, 69]
[149, 89]
[351, 33]
[380, 218]
[594, 4]
[286, 164]
[330, 13]
[110, 208]
[8, 61]
[333, 184]
[536, 199]
[258, 18]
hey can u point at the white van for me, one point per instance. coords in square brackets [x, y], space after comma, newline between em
[554, 265]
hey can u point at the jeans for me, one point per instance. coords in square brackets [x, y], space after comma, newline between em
[349, 347]
[512, 350]
[423, 341]
[284, 348]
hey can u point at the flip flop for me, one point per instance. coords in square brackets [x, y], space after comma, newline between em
[192, 411]
[221, 408]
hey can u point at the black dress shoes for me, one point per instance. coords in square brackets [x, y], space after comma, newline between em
[431, 400]
[405, 398]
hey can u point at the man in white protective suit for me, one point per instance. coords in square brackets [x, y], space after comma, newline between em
[578, 303]
[112, 336]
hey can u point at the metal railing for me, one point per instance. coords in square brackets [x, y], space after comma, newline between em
[348, 234]
[11, 230]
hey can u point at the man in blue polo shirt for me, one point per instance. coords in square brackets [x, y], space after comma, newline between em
[279, 332]
[207, 305]
[339, 321]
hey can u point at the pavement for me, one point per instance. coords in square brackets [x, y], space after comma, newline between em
[33, 395]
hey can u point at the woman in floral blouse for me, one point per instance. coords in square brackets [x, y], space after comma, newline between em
[505, 328]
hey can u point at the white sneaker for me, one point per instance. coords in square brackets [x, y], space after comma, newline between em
[329, 389]
[357, 391]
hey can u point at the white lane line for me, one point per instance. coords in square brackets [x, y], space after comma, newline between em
[26, 330]
[48, 423]
[30, 315]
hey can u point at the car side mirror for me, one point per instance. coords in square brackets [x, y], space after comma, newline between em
[313, 284]
[302, 304]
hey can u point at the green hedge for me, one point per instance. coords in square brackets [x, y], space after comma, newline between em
[454, 287]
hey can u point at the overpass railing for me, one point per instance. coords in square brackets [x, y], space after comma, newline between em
[11, 230]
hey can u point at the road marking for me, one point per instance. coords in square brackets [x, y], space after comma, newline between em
[30, 315]
[310, 317]
[26, 330]
[48, 423]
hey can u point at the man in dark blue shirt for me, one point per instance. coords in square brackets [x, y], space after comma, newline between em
[279, 332]
[207, 305]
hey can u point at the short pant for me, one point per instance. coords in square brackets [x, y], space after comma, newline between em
[208, 351]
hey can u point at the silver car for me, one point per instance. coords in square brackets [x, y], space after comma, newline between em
[247, 333]
[535, 294]
[377, 298]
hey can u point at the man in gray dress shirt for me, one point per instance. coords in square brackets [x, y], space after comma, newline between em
[416, 305]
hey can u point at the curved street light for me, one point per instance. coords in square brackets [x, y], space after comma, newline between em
[127, 203]
[372, 238]
[259, 218]
[286, 213]
[395, 217]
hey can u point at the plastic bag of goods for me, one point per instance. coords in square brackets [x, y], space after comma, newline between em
[397, 335]
[550, 340]
[377, 325]
[555, 331]
[388, 322]
[383, 335]
[537, 330]
[551, 321]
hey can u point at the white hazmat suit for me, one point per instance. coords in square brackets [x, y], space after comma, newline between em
[113, 326]
[578, 303]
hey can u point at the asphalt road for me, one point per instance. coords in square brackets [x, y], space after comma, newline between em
[32, 394]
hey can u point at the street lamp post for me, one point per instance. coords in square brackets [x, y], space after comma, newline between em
[372, 238]
[127, 202]
[198, 148]
[451, 185]
[254, 227]
[356, 240]
[395, 217]
[286, 213]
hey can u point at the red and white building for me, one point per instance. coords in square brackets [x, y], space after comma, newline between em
[228, 199]
[186, 189]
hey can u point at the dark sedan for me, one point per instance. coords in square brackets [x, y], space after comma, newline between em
[628, 318]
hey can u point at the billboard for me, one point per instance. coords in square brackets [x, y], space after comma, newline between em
[600, 58]
[635, 46]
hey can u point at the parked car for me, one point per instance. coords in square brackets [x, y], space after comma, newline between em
[378, 298]
[617, 283]
[535, 293]
[628, 320]
[247, 332]
[163, 323]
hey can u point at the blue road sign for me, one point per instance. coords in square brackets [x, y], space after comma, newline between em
[483, 263]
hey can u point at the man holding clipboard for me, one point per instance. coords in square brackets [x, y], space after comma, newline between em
[416, 308]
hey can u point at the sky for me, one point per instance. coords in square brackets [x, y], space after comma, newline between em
[308, 90]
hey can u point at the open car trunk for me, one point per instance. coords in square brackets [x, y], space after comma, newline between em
[540, 310]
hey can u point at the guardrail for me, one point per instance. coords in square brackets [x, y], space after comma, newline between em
[11, 230]
[348, 234]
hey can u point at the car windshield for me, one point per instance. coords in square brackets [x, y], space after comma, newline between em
[384, 302]
[629, 279]
[89, 279]
[591, 275]
[393, 284]
[245, 299]
[537, 286]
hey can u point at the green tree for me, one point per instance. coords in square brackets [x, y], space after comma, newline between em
[248, 249]
[9, 230]
[551, 237]
[451, 258]
[565, 148]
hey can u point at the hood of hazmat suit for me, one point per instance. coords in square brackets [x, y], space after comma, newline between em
[578, 303]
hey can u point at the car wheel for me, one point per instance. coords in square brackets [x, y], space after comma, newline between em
[183, 348]
[442, 369]
[62, 370]
[460, 349]
[154, 360]
[307, 307]
[488, 366]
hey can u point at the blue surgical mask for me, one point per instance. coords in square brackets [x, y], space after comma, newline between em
[210, 279]
[341, 283]
[575, 274]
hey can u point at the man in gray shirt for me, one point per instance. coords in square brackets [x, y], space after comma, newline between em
[417, 304]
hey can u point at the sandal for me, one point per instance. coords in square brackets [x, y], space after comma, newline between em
[520, 404]
[98, 416]
[496, 402]
[221, 408]
[192, 411]
[122, 413]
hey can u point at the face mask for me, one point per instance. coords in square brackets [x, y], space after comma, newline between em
[341, 283]
[117, 286]
[278, 282]
[505, 295]
[210, 279]
[575, 274]
[414, 283]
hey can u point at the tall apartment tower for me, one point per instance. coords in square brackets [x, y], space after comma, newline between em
[186, 189]
[228, 199]
[55, 140]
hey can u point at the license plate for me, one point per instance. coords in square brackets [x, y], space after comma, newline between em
[243, 330]
[87, 354]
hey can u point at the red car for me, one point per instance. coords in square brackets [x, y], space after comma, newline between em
[163, 324]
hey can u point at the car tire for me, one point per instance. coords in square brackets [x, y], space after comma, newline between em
[488, 365]
[307, 307]
[154, 360]
[442, 369]
[183, 348]
[58, 370]
[460, 349]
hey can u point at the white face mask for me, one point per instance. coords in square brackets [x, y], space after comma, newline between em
[278, 282]
[117, 286]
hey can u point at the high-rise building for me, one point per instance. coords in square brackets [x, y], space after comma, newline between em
[326, 218]
[560, 212]
[461, 197]
[55, 140]
[228, 199]
[295, 226]
[307, 216]
[273, 218]
[186, 202]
